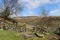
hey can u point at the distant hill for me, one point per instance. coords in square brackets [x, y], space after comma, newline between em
[34, 19]
[29, 22]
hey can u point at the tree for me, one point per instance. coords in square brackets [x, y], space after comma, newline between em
[44, 12]
[11, 7]
[44, 18]
[43, 15]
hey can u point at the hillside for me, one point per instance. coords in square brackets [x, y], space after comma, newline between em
[29, 22]
[9, 35]
[35, 20]
[52, 22]
[25, 28]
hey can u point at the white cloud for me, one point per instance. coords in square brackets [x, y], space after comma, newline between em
[55, 12]
[31, 4]
[30, 12]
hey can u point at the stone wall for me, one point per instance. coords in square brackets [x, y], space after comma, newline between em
[7, 25]
[10, 25]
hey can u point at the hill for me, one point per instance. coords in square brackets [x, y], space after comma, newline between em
[52, 22]
[9, 35]
[36, 20]
[29, 22]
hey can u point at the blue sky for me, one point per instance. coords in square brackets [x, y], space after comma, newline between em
[33, 7]
[36, 11]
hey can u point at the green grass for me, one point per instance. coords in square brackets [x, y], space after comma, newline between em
[9, 35]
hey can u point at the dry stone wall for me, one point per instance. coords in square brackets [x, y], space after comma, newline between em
[7, 25]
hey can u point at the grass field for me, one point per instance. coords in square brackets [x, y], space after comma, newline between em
[9, 35]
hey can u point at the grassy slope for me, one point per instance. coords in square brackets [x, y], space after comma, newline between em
[55, 21]
[9, 35]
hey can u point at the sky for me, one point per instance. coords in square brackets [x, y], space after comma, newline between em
[33, 7]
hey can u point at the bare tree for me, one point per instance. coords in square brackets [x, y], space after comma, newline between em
[44, 12]
[11, 7]
[43, 15]
[44, 18]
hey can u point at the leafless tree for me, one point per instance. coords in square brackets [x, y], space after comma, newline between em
[11, 7]
[44, 12]
[43, 16]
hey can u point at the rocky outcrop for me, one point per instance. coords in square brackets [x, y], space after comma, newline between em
[57, 31]
[7, 25]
